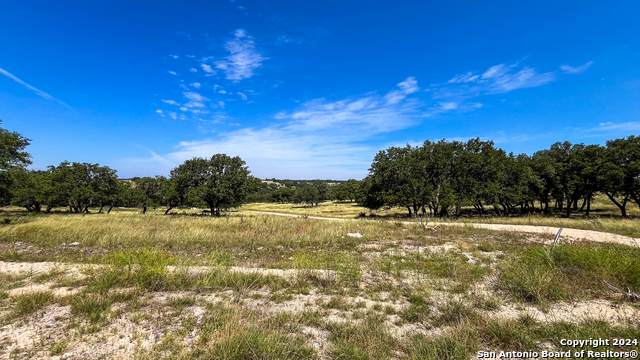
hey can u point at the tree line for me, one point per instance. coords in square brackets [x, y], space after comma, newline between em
[433, 179]
[309, 192]
[218, 183]
[440, 178]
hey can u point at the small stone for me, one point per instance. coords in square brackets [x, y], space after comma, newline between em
[74, 244]
[355, 235]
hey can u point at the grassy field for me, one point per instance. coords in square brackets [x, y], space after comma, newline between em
[604, 216]
[251, 286]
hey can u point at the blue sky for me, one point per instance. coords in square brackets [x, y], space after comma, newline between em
[303, 89]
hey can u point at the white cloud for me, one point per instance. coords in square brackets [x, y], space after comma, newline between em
[366, 114]
[159, 111]
[191, 56]
[172, 72]
[222, 92]
[524, 78]
[319, 139]
[174, 56]
[173, 115]
[409, 86]
[243, 95]
[610, 126]
[170, 102]
[284, 39]
[196, 85]
[207, 68]
[196, 103]
[281, 153]
[452, 105]
[194, 96]
[193, 70]
[495, 71]
[464, 78]
[244, 58]
[37, 91]
[497, 79]
[575, 70]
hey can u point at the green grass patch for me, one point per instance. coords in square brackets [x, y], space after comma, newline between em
[458, 345]
[27, 304]
[575, 271]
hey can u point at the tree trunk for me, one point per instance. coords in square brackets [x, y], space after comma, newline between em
[623, 206]
[110, 207]
[588, 205]
[101, 207]
[410, 213]
[168, 209]
[569, 208]
[144, 208]
[584, 202]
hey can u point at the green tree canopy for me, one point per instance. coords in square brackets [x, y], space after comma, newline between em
[220, 182]
[12, 156]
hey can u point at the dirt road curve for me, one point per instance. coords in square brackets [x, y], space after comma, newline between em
[588, 235]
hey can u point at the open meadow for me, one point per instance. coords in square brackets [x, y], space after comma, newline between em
[254, 286]
[604, 217]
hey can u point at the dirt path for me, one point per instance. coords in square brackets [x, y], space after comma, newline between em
[589, 235]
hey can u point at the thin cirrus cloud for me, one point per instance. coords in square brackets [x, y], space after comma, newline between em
[575, 70]
[37, 91]
[497, 79]
[244, 58]
[611, 126]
